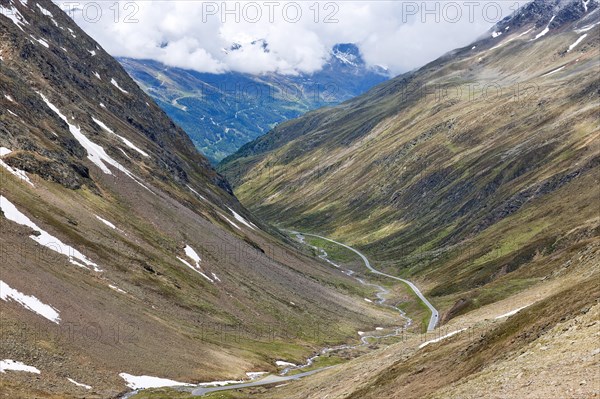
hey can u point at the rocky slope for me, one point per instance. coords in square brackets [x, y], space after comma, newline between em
[221, 112]
[540, 343]
[469, 174]
[119, 241]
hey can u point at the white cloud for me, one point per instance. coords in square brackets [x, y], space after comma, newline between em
[401, 35]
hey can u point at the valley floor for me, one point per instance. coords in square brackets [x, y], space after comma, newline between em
[539, 343]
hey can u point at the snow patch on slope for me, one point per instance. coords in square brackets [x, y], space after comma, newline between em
[229, 221]
[346, 58]
[241, 219]
[123, 139]
[196, 192]
[14, 15]
[587, 28]
[424, 344]
[511, 39]
[8, 364]
[44, 238]
[115, 288]
[44, 11]
[106, 222]
[114, 83]
[79, 384]
[585, 4]
[145, 381]
[526, 32]
[41, 41]
[47, 13]
[572, 46]
[29, 302]
[17, 172]
[546, 29]
[96, 153]
[554, 71]
[192, 254]
[511, 313]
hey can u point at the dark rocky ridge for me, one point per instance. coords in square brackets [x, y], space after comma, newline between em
[68, 66]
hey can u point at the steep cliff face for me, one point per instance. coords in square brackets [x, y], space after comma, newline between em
[43, 56]
[121, 249]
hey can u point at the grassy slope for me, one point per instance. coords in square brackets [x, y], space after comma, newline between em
[547, 349]
[511, 357]
[483, 201]
[470, 196]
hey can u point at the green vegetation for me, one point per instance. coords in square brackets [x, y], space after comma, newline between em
[456, 194]
[222, 112]
[162, 393]
[335, 253]
[414, 307]
[321, 362]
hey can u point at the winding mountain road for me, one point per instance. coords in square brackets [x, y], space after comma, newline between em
[434, 313]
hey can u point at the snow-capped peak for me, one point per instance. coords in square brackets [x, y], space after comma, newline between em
[347, 54]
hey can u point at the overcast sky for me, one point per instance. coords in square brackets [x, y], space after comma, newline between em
[399, 35]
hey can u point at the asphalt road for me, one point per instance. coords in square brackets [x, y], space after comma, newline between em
[271, 379]
[434, 313]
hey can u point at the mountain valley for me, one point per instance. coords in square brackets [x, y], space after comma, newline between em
[118, 236]
[221, 112]
[434, 235]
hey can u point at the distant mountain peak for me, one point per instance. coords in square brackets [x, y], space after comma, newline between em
[262, 43]
[348, 57]
[236, 46]
[348, 54]
[549, 13]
